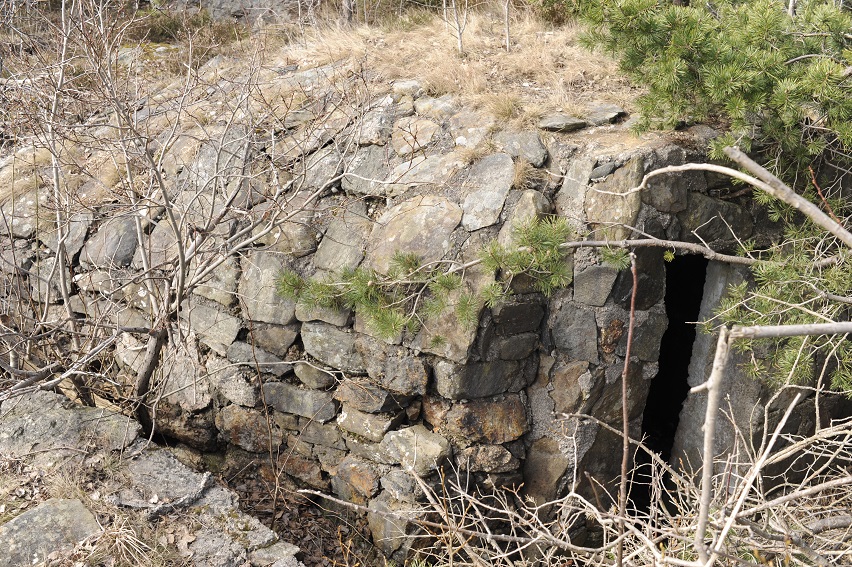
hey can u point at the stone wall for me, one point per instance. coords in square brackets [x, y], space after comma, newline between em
[247, 372]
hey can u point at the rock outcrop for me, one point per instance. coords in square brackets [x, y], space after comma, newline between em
[331, 185]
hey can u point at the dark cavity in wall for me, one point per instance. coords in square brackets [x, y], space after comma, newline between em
[684, 290]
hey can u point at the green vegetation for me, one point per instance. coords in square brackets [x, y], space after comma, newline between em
[779, 85]
[412, 293]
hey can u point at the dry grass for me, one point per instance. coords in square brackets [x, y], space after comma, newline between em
[127, 539]
[546, 69]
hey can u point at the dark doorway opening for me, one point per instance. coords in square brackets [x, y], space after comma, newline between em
[685, 277]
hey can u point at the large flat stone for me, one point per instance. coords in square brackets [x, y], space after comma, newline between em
[333, 346]
[486, 190]
[342, 246]
[217, 328]
[55, 525]
[258, 289]
[575, 332]
[417, 448]
[611, 206]
[314, 404]
[421, 226]
[490, 421]
[112, 246]
[526, 145]
[366, 171]
[477, 380]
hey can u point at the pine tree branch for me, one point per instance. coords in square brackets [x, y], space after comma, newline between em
[778, 189]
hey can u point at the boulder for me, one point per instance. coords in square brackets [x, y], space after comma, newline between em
[333, 347]
[411, 134]
[486, 190]
[526, 145]
[611, 205]
[314, 404]
[560, 122]
[258, 289]
[416, 448]
[52, 526]
[420, 225]
[492, 421]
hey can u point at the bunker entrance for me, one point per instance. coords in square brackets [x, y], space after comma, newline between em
[685, 277]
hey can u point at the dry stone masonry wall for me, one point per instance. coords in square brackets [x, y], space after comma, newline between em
[363, 173]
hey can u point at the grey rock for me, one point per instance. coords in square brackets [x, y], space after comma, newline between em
[370, 426]
[650, 326]
[470, 128]
[544, 470]
[486, 458]
[477, 380]
[575, 333]
[610, 204]
[395, 368]
[412, 134]
[342, 246]
[325, 434]
[184, 376]
[603, 113]
[422, 172]
[486, 190]
[159, 247]
[526, 145]
[217, 328]
[45, 280]
[314, 377]
[517, 347]
[368, 168]
[75, 233]
[25, 214]
[559, 122]
[54, 525]
[571, 198]
[296, 236]
[221, 286]
[421, 226]
[15, 254]
[401, 485]
[231, 383]
[530, 206]
[337, 317]
[572, 385]
[417, 448]
[603, 170]
[319, 170]
[365, 396]
[112, 246]
[258, 289]
[275, 554]
[651, 284]
[670, 193]
[439, 108]
[518, 314]
[704, 215]
[257, 358]
[390, 532]
[333, 347]
[592, 285]
[410, 87]
[276, 339]
[46, 425]
[247, 428]
[376, 125]
[313, 404]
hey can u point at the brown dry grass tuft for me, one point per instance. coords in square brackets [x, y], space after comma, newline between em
[546, 69]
